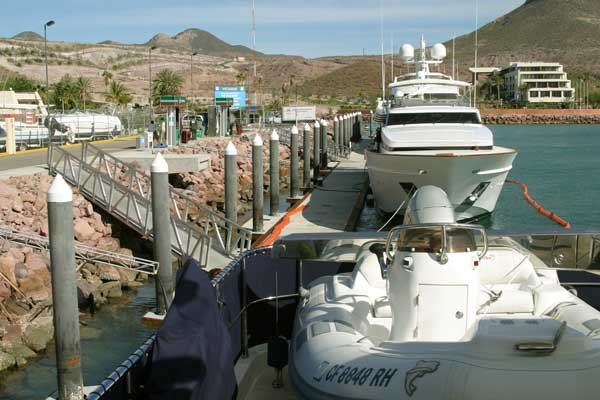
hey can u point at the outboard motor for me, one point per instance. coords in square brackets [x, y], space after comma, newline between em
[429, 204]
[433, 280]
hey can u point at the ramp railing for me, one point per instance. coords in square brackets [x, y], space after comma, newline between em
[83, 254]
[124, 191]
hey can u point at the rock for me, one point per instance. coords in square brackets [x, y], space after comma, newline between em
[7, 267]
[6, 361]
[20, 352]
[5, 290]
[17, 205]
[38, 334]
[132, 285]
[108, 244]
[84, 290]
[38, 266]
[21, 271]
[83, 230]
[110, 289]
[108, 273]
[17, 254]
[7, 191]
[127, 275]
[34, 288]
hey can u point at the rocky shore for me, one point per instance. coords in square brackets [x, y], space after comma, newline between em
[540, 117]
[25, 290]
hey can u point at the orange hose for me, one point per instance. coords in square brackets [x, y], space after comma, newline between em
[538, 207]
[277, 229]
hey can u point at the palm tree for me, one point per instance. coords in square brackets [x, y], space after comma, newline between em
[65, 93]
[241, 78]
[118, 94]
[498, 80]
[166, 83]
[85, 87]
[107, 78]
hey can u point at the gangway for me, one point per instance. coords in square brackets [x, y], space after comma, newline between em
[124, 191]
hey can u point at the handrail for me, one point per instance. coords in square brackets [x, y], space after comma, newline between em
[130, 204]
[83, 252]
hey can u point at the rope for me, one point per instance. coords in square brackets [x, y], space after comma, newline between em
[538, 207]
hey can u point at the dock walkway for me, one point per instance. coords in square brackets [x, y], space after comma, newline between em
[335, 206]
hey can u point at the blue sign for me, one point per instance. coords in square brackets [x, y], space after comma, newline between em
[237, 93]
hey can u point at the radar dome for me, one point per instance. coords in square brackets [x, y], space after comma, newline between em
[407, 52]
[438, 51]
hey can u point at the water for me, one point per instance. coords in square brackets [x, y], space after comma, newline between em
[561, 166]
[108, 338]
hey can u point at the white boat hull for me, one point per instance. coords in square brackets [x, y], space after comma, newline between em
[458, 173]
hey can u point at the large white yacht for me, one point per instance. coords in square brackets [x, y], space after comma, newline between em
[431, 135]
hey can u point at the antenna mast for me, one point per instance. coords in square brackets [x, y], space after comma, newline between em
[254, 47]
[453, 57]
[392, 46]
[476, 43]
[382, 59]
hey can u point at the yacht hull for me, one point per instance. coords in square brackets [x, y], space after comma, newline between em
[472, 179]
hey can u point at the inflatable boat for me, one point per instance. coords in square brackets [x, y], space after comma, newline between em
[438, 311]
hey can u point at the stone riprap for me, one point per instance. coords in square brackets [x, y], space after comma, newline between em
[25, 279]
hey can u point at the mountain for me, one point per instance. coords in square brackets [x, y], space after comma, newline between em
[200, 41]
[28, 35]
[565, 31]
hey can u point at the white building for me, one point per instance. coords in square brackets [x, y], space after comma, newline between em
[537, 82]
[22, 106]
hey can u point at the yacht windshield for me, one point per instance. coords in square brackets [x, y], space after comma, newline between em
[433, 118]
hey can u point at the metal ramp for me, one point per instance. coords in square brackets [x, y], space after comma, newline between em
[124, 191]
[83, 254]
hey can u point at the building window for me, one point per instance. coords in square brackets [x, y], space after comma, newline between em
[545, 94]
[534, 93]
[556, 93]
[567, 94]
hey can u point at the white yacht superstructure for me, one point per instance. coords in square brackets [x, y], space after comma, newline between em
[432, 136]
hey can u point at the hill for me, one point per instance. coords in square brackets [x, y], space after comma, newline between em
[29, 35]
[200, 41]
[565, 31]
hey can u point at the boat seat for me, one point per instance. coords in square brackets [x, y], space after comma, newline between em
[367, 274]
[382, 308]
[507, 271]
[513, 299]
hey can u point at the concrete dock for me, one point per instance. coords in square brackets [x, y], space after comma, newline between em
[333, 207]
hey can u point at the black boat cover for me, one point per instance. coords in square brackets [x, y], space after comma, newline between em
[192, 357]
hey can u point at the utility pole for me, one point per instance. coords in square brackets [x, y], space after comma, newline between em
[254, 48]
[50, 131]
[150, 79]
[192, 75]
[476, 44]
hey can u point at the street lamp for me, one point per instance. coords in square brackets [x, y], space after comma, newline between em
[192, 74]
[150, 78]
[50, 131]
[46, 25]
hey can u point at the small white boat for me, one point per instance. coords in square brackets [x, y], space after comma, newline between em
[432, 136]
[86, 126]
[438, 312]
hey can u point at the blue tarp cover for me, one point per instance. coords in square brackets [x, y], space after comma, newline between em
[192, 357]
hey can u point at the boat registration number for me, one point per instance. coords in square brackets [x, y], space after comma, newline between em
[357, 376]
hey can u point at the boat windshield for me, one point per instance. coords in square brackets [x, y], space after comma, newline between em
[429, 239]
[433, 118]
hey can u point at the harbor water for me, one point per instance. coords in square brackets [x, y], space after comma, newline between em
[560, 164]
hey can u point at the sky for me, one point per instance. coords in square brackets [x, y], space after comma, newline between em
[311, 28]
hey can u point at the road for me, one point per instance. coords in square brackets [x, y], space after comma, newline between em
[36, 161]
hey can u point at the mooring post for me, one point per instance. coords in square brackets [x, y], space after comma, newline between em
[316, 152]
[306, 153]
[324, 141]
[346, 134]
[295, 164]
[336, 137]
[64, 290]
[257, 184]
[161, 227]
[371, 124]
[231, 190]
[274, 173]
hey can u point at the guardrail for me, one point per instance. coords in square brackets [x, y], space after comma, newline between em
[123, 190]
